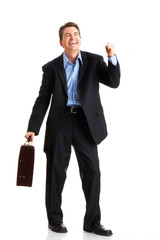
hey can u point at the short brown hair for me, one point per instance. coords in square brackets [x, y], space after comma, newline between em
[69, 24]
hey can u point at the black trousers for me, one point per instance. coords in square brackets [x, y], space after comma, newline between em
[73, 131]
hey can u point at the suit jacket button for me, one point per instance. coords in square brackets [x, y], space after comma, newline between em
[57, 124]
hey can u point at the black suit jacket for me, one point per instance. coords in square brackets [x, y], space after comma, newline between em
[53, 91]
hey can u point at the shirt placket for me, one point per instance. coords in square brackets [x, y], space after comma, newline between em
[73, 86]
[75, 97]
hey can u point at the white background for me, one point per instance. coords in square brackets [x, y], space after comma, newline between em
[129, 157]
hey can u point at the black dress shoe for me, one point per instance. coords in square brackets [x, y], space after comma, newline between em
[100, 230]
[58, 228]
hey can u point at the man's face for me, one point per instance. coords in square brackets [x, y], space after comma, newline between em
[71, 40]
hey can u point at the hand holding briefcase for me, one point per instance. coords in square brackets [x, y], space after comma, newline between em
[25, 165]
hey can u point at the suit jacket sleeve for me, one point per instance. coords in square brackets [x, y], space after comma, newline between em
[109, 75]
[41, 105]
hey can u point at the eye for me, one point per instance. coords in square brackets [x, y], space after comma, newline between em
[67, 35]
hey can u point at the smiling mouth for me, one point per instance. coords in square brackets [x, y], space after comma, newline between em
[73, 43]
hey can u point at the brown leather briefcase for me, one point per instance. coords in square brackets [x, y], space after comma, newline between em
[25, 165]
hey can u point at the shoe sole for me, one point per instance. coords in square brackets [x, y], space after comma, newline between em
[100, 234]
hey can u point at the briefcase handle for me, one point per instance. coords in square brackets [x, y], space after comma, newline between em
[28, 142]
[29, 139]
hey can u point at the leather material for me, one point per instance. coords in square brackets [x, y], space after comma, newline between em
[59, 228]
[25, 166]
[99, 230]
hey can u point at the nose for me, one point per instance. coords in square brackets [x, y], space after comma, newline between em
[72, 37]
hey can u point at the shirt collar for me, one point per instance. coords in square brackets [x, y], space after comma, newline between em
[65, 59]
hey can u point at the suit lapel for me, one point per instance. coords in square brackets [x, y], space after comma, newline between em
[61, 72]
[82, 67]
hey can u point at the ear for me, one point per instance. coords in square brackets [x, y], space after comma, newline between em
[60, 41]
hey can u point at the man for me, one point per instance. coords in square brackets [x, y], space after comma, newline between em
[71, 84]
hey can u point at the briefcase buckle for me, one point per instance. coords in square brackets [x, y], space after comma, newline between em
[27, 143]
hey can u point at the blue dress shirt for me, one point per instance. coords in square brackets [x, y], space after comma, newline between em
[72, 72]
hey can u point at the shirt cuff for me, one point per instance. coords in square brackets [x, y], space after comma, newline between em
[113, 60]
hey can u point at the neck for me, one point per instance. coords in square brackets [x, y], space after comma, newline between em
[72, 56]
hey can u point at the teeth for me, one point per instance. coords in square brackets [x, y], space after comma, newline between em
[72, 43]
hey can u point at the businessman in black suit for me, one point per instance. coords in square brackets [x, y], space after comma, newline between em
[71, 85]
